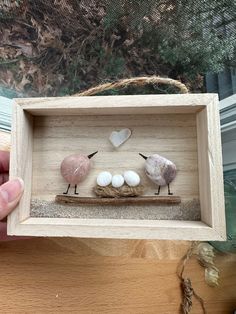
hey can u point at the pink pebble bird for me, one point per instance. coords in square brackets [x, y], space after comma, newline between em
[160, 170]
[75, 168]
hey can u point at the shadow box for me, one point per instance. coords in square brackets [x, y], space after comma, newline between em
[184, 128]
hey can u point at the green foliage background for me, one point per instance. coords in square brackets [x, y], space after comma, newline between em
[79, 44]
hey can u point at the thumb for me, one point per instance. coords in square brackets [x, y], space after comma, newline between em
[10, 194]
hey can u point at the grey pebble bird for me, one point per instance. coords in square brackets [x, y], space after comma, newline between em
[160, 170]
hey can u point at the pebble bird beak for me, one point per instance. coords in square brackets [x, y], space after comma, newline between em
[144, 157]
[91, 155]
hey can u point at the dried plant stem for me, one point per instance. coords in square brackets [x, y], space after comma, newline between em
[186, 285]
[205, 255]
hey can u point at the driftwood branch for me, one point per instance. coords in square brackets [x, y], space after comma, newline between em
[144, 200]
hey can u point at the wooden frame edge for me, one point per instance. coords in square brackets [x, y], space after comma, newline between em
[216, 169]
[211, 165]
[111, 104]
[21, 162]
[189, 230]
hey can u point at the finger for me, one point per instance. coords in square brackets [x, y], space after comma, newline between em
[4, 177]
[10, 194]
[4, 161]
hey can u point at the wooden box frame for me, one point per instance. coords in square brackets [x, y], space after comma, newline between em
[205, 106]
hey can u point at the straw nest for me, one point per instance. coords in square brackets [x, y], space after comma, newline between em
[123, 191]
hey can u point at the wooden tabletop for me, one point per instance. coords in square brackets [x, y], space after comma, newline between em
[66, 275]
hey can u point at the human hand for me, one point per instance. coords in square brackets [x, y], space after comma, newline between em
[10, 193]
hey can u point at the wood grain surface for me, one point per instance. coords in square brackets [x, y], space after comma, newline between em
[66, 275]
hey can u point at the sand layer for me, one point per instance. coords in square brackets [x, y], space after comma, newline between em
[185, 211]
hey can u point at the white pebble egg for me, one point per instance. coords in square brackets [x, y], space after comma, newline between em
[131, 178]
[117, 181]
[104, 178]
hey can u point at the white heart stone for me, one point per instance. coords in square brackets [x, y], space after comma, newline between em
[117, 138]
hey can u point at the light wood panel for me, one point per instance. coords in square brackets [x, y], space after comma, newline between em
[156, 120]
[173, 136]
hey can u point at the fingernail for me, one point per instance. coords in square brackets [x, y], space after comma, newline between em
[12, 189]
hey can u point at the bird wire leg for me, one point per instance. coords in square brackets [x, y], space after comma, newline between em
[169, 193]
[158, 192]
[67, 189]
[76, 190]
